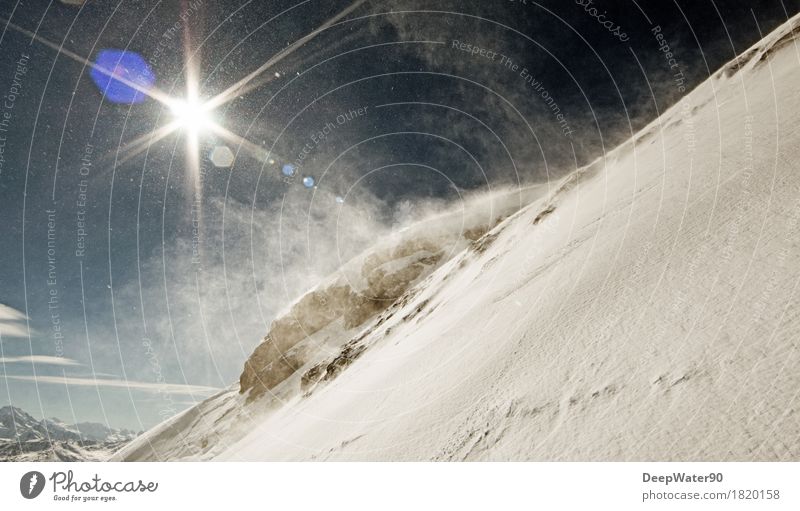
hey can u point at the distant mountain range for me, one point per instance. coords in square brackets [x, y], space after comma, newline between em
[24, 438]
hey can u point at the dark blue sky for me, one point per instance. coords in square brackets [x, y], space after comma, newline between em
[137, 293]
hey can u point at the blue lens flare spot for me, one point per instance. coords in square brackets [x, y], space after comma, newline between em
[288, 170]
[122, 76]
[308, 181]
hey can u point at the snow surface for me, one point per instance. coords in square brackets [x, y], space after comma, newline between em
[646, 309]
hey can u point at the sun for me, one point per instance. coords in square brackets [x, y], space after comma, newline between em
[191, 115]
[193, 118]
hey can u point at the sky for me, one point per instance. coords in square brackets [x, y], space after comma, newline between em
[139, 271]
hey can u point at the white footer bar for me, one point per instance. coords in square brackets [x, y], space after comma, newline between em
[387, 486]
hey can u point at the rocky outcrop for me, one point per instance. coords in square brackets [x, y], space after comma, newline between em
[387, 275]
[333, 313]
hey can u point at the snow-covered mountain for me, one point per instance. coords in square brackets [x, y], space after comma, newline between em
[645, 308]
[16, 424]
[318, 335]
[24, 438]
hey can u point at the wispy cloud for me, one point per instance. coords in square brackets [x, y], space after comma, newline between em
[40, 359]
[12, 322]
[166, 388]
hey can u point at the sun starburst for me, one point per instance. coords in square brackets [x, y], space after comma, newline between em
[190, 115]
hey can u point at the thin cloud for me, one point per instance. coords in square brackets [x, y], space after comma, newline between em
[12, 322]
[40, 359]
[164, 388]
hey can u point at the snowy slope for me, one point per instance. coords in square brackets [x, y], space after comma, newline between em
[314, 338]
[645, 310]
